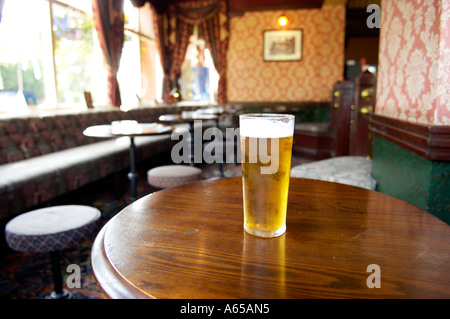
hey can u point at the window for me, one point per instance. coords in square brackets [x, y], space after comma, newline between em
[199, 78]
[75, 55]
[48, 51]
[140, 71]
[25, 55]
[50, 55]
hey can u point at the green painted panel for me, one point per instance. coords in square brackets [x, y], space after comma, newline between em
[412, 178]
[400, 173]
[322, 115]
[439, 198]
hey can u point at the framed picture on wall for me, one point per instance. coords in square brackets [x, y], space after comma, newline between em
[282, 45]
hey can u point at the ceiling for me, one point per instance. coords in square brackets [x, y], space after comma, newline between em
[238, 7]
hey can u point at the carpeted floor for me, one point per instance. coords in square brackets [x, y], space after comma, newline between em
[29, 276]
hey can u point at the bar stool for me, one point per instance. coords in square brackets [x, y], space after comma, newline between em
[51, 230]
[173, 175]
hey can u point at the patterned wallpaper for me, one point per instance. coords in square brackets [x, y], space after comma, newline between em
[250, 79]
[414, 61]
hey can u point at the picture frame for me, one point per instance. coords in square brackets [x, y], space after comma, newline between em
[282, 45]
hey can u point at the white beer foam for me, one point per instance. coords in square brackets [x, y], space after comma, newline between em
[265, 128]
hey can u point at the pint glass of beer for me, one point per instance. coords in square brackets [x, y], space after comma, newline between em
[266, 151]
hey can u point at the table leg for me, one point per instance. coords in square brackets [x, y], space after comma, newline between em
[132, 176]
[224, 151]
[191, 124]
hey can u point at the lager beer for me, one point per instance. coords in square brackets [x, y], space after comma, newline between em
[266, 151]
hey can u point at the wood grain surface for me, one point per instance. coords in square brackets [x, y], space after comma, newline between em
[189, 242]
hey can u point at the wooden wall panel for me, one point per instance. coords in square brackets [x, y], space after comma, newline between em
[429, 141]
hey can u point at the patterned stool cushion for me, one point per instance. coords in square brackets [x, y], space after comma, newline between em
[51, 228]
[350, 170]
[173, 175]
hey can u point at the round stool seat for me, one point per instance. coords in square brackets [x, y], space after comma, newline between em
[173, 175]
[51, 228]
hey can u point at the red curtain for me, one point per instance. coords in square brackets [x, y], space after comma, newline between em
[172, 36]
[109, 23]
[174, 26]
[215, 30]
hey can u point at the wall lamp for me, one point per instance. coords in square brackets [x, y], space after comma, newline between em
[282, 20]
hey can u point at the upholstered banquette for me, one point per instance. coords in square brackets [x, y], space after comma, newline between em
[42, 157]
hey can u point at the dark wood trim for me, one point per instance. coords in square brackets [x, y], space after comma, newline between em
[429, 141]
[279, 105]
[239, 7]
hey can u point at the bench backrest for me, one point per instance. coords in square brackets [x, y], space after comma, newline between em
[30, 136]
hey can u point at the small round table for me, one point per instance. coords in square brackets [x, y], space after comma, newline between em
[191, 118]
[141, 129]
[341, 241]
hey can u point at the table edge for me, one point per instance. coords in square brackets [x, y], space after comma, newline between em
[115, 286]
[112, 285]
[106, 135]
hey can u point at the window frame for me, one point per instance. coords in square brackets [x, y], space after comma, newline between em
[52, 102]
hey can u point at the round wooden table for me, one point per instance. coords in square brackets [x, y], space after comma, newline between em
[139, 129]
[341, 242]
[190, 117]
